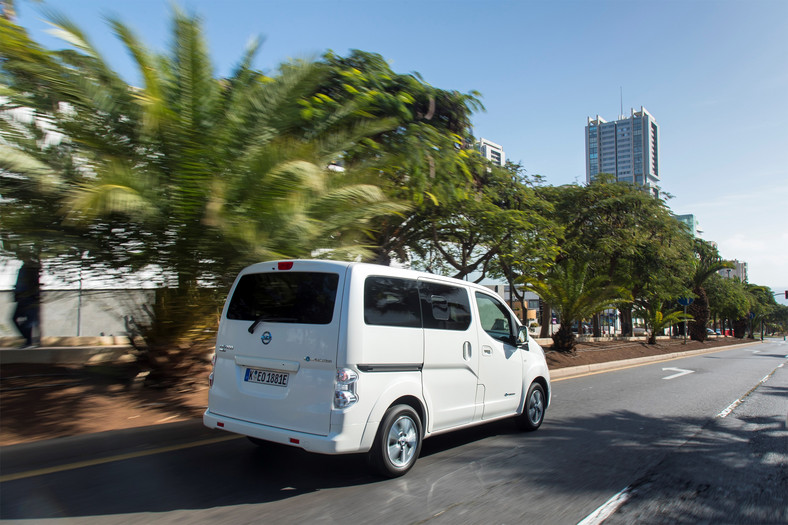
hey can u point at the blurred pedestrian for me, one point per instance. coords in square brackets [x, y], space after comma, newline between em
[27, 294]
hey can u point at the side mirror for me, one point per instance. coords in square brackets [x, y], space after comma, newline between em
[522, 337]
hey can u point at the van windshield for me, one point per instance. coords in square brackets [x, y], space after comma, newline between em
[292, 297]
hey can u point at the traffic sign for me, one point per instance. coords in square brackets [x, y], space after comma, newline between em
[685, 301]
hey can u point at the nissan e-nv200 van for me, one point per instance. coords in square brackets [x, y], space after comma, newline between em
[342, 357]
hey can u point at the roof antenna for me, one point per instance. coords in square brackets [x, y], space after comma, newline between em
[621, 88]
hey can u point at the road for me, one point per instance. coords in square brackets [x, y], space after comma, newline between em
[694, 439]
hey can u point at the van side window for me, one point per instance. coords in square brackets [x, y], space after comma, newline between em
[444, 307]
[494, 317]
[285, 297]
[389, 301]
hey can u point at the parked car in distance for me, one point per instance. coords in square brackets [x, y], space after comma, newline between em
[339, 358]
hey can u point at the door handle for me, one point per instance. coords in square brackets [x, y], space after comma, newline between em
[466, 350]
[487, 350]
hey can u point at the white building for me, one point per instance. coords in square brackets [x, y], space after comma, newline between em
[627, 148]
[492, 152]
[739, 271]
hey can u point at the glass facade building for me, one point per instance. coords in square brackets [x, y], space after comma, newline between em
[627, 148]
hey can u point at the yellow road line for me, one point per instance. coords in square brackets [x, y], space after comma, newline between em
[110, 459]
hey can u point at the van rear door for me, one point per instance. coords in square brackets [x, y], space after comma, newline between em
[277, 346]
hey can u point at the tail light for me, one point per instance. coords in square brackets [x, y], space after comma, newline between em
[213, 369]
[345, 388]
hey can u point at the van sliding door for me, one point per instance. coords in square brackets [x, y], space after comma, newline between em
[451, 358]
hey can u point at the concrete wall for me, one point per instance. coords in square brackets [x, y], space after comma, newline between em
[75, 313]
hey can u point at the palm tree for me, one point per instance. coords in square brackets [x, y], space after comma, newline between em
[707, 263]
[192, 175]
[657, 320]
[575, 295]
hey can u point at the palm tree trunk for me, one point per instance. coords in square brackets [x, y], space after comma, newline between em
[546, 319]
[626, 321]
[699, 309]
[564, 340]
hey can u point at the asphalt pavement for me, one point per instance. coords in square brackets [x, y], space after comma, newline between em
[647, 444]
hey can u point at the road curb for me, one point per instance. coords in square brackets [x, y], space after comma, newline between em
[63, 355]
[581, 370]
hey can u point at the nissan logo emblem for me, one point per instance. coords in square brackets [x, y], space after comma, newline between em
[266, 338]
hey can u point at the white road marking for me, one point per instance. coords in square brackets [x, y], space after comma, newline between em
[679, 372]
[608, 508]
[730, 408]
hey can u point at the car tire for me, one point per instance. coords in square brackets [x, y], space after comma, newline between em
[398, 442]
[534, 409]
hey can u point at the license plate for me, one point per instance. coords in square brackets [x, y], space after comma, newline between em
[266, 377]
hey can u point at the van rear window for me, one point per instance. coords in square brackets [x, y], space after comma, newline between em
[287, 297]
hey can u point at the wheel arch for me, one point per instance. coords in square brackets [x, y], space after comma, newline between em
[414, 403]
[541, 381]
[398, 394]
[546, 386]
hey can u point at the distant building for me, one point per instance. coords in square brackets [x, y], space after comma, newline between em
[739, 270]
[627, 148]
[530, 298]
[692, 223]
[492, 152]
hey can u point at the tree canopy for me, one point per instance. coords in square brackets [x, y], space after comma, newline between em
[193, 177]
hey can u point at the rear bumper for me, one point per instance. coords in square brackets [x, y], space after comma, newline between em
[346, 442]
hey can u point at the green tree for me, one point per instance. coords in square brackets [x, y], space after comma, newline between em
[476, 235]
[761, 306]
[778, 320]
[727, 298]
[575, 295]
[707, 263]
[532, 248]
[626, 235]
[426, 159]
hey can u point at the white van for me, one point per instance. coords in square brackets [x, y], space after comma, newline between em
[338, 357]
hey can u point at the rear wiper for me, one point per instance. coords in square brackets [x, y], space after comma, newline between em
[264, 318]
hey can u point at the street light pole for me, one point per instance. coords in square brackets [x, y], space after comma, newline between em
[685, 324]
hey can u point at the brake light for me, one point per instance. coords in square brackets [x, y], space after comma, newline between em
[286, 265]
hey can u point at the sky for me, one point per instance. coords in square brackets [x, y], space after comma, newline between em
[713, 74]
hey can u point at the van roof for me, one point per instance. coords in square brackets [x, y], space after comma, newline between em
[367, 268]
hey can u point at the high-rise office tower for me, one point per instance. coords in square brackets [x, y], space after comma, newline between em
[627, 148]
